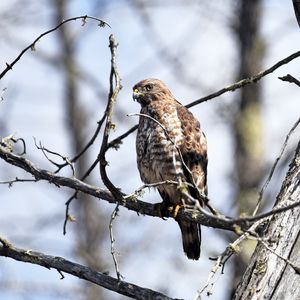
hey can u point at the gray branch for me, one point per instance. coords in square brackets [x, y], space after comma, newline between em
[80, 271]
[134, 204]
[131, 203]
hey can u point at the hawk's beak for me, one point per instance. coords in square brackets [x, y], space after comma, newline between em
[136, 94]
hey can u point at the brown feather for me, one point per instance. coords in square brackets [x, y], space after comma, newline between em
[156, 151]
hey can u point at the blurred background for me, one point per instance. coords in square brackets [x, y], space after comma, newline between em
[57, 93]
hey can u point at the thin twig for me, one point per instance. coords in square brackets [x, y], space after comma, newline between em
[113, 250]
[32, 45]
[117, 141]
[261, 193]
[23, 143]
[289, 78]
[231, 249]
[246, 81]
[68, 217]
[85, 148]
[74, 196]
[63, 157]
[286, 260]
[138, 191]
[11, 182]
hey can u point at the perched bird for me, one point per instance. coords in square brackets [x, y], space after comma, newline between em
[170, 145]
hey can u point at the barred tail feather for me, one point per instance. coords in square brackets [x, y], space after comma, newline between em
[191, 239]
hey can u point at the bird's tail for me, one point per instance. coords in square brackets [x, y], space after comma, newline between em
[191, 239]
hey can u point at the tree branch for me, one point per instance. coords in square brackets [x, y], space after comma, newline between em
[246, 81]
[231, 88]
[261, 193]
[235, 225]
[115, 87]
[296, 4]
[32, 45]
[289, 78]
[130, 203]
[80, 271]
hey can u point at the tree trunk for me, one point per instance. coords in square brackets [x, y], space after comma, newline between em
[247, 122]
[268, 275]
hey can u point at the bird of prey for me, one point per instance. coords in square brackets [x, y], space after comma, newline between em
[171, 146]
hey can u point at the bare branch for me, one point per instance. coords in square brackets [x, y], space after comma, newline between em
[115, 87]
[289, 78]
[113, 250]
[231, 249]
[196, 214]
[63, 157]
[32, 45]
[286, 260]
[296, 4]
[261, 193]
[138, 192]
[11, 182]
[117, 141]
[231, 88]
[268, 240]
[246, 81]
[136, 205]
[80, 271]
[68, 217]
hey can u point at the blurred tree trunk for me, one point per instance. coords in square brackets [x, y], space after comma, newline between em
[247, 123]
[89, 223]
[268, 275]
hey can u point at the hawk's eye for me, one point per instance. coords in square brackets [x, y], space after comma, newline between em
[148, 87]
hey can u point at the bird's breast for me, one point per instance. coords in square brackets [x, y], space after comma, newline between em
[157, 155]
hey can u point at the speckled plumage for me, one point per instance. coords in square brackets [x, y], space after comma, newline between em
[169, 124]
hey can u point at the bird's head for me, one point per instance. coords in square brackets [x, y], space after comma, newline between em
[149, 90]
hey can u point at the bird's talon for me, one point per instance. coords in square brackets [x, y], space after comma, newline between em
[175, 209]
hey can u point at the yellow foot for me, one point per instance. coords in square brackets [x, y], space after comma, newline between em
[175, 209]
[166, 210]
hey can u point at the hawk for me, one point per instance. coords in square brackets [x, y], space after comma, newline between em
[170, 145]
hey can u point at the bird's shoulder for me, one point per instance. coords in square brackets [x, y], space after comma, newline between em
[194, 137]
